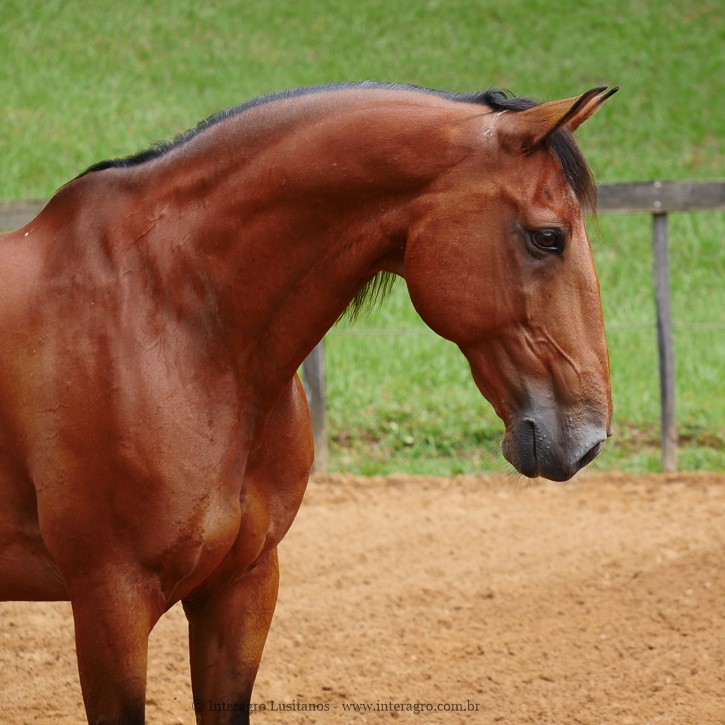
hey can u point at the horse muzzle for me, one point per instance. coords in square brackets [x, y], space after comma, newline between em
[536, 447]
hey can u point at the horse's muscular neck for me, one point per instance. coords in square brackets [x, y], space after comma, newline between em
[286, 235]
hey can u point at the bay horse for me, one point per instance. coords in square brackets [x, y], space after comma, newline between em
[155, 441]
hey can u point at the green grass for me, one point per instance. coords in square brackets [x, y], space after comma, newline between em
[84, 81]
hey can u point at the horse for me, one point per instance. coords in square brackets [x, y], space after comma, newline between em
[155, 440]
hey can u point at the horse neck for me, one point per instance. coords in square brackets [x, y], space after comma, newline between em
[287, 236]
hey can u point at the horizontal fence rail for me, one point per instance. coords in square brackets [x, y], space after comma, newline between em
[660, 197]
[16, 213]
[657, 198]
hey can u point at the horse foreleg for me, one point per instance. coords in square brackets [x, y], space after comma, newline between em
[230, 614]
[112, 624]
[228, 627]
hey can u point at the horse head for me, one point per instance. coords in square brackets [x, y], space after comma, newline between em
[498, 261]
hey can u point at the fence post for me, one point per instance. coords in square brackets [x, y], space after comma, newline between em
[660, 272]
[313, 374]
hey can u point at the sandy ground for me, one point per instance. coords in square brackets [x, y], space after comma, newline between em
[599, 601]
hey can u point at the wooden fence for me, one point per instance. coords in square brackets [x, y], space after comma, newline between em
[657, 198]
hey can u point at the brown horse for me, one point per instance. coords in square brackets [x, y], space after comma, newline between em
[154, 439]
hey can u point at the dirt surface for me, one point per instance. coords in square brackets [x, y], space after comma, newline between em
[598, 601]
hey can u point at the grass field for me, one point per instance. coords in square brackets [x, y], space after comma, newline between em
[80, 82]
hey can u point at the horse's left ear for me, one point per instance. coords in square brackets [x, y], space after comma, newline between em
[527, 130]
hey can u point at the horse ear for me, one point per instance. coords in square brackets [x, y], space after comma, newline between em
[526, 131]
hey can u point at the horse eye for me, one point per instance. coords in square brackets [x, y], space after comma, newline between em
[548, 240]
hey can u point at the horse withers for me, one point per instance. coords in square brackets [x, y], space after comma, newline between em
[155, 441]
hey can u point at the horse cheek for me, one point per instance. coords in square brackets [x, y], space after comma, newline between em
[447, 285]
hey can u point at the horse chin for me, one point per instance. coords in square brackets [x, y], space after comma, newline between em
[533, 449]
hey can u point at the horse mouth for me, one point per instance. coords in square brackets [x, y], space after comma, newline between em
[534, 451]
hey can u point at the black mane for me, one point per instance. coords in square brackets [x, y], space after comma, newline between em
[561, 143]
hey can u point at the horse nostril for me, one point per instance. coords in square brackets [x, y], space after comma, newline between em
[590, 455]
